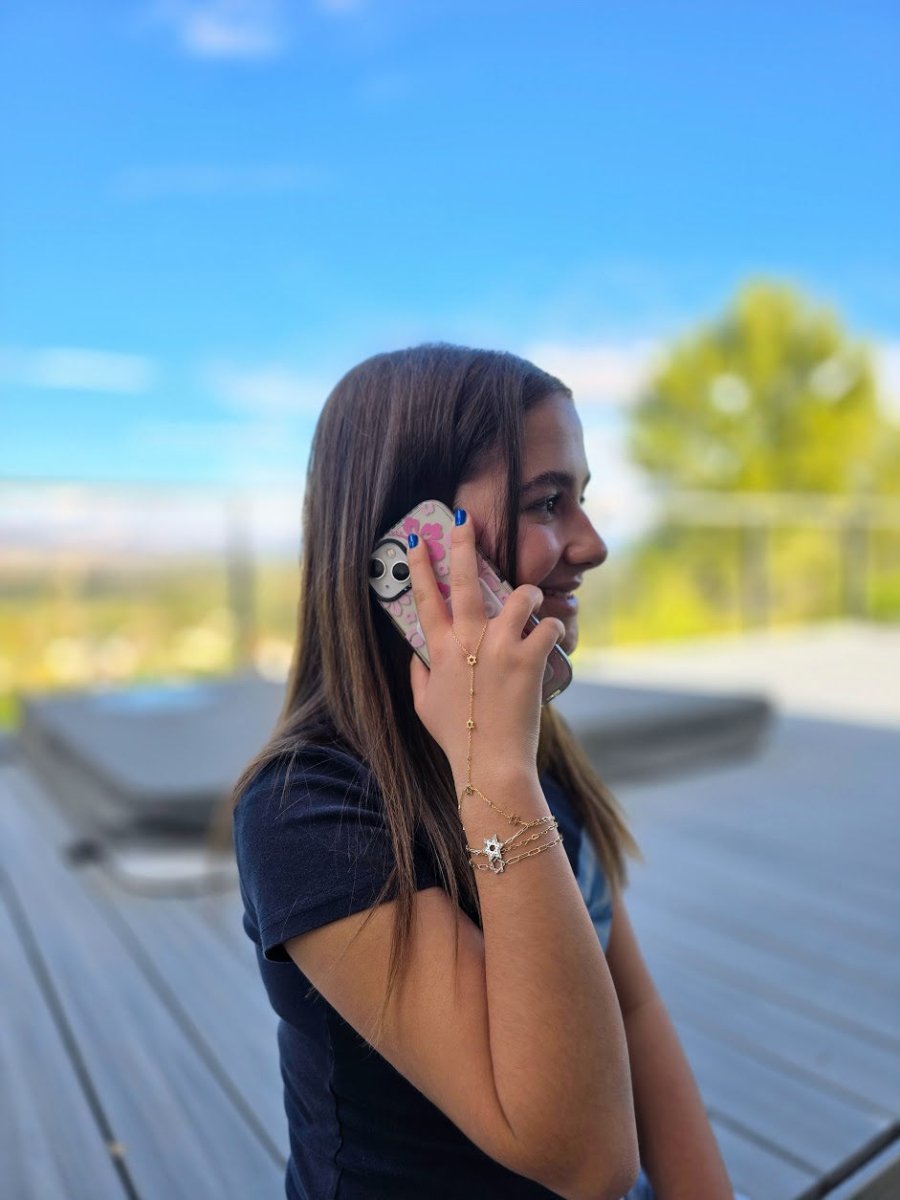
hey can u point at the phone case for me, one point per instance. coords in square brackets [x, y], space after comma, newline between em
[389, 580]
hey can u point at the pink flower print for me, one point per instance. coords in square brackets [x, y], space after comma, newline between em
[416, 638]
[443, 589]
[410, 525]
[491, 581]
[433, 533]
[394, 608]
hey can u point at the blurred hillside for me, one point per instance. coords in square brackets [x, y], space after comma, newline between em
[773, 467]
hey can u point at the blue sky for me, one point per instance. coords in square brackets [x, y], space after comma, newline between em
[211, 210]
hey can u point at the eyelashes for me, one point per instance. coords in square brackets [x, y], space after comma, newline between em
[547, 504]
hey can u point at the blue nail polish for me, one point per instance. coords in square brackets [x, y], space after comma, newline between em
[459, 516]
[413, 540]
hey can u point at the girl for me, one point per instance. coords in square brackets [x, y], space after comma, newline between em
[431, 870]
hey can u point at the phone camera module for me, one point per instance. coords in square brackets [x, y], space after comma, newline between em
[400, 572]
[376, 568]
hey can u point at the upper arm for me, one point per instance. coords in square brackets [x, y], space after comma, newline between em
[633, 981]
[435, 1030]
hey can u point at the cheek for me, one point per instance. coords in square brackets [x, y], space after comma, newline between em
[538, 554]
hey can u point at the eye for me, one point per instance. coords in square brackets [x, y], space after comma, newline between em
[547, 505]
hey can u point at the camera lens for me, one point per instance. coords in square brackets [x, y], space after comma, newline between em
[400, 571]
[376, 568]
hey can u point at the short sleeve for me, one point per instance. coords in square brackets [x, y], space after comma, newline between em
[595, 889]
[313, 845]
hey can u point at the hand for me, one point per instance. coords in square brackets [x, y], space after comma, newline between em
[508, 675]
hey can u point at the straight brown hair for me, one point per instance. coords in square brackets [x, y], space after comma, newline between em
[397, 429]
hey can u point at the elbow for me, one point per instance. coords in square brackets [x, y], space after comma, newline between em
[606, 1170]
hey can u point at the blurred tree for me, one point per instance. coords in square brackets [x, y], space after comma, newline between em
[771, 397]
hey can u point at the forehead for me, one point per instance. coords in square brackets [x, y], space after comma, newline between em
[554, 439]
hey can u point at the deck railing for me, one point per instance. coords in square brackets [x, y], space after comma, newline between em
[118, 582]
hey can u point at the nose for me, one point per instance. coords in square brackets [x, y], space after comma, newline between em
[587, 548]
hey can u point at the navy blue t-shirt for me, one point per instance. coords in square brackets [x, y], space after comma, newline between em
[358, 1129]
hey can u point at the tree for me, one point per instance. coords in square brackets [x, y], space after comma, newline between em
[771, 397]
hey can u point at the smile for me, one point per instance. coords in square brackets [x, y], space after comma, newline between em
[566, 599]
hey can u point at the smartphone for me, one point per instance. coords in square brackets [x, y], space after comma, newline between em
[389, 579]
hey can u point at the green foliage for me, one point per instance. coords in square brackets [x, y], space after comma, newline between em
[771, 397]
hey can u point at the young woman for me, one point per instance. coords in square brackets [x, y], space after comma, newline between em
[451, 1032]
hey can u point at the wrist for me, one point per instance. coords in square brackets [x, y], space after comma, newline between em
[510, 786]
[498, 772]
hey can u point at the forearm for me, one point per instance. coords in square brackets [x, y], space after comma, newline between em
[557, 1039]
[678, 1148]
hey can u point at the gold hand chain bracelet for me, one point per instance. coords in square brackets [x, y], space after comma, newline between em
[493, 846]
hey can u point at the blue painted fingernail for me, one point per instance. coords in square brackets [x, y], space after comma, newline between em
[413, 540]
[459, 516]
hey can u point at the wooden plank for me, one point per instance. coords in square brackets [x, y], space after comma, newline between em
[818, 805]
[51, 1144]
[816, 1130]
[216, 994]
[680, 861]
[208, 976]
[751, 914]
[826, 1054]
[879, 1179]
[184, 1132]
[804, 844]
[756, 1171]
[774, 973]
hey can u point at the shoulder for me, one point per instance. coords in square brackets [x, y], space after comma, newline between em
[313, 844]
[308, 772]
[310, 789]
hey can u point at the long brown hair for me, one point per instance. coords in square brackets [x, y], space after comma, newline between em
[399, 428]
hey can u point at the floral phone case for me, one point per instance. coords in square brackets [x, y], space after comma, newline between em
[389, 580]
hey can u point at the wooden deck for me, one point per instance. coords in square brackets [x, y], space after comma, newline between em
[138, 1055]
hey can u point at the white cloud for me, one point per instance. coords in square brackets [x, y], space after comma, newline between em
[223, 29]
[208, 436]
[604, 374]
[198, 179]
[269, 390]
[620, 499]
[77, 369]
[887, 369]
[137, 521]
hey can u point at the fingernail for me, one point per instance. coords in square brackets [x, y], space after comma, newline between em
[459, 516]
[413, 540]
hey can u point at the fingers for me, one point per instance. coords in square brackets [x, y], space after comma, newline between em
[465, 591]
[430, 607]
[542, 637]
[523, 601]
[545, 635]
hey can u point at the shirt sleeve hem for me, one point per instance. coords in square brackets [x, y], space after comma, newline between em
[282, 928]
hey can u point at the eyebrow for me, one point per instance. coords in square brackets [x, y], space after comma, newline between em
[558, 479]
